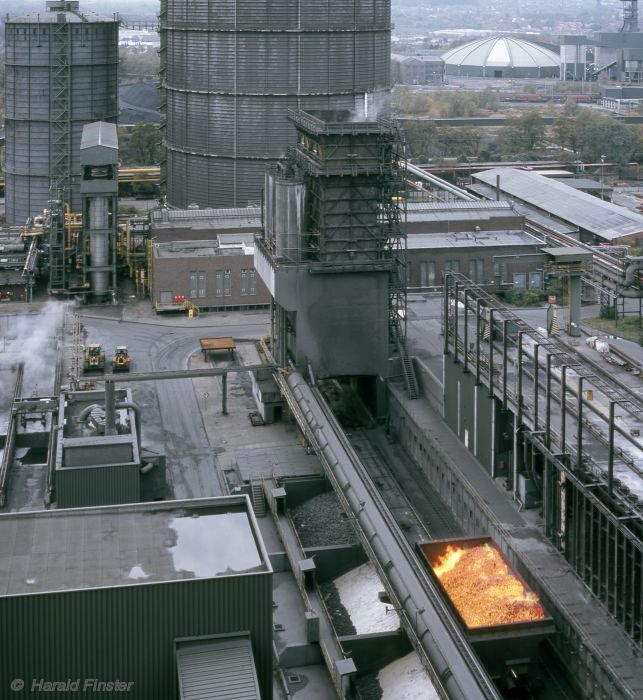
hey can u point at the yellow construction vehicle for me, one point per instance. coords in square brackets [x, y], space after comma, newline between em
[120, 360]
[94, 358]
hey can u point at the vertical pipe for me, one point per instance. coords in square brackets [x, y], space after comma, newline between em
[110, 408]
[536, 348]
[98, 243]
[455, 323]
[563, 408]
[520, 334]
[445, 312]
[548, 403]
[491, 353]
[465, 338]
[579, 418]
[610, 453]
[478, 309]
[505, 323]
[224, 394]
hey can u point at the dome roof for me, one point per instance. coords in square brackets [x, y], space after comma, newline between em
[502, 52]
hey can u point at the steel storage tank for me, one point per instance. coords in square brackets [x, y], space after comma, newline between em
[284, 214]
[61, 72]
[231, 69]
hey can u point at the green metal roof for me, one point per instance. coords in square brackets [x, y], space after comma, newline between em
[222, 668]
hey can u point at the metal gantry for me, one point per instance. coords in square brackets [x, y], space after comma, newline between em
[565, 418]
[60, 107]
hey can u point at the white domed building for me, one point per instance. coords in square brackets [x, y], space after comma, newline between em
[501, 57]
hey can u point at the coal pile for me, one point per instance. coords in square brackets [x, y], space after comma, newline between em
[367, 687]
[320, 522]
[341, 619]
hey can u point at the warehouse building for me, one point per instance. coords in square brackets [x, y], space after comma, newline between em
[127, 595]
[595, 221]
[424, 68]
[501, 57]
[485, 257]
[484, 240]
[213, 274]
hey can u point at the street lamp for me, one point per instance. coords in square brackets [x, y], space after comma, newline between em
[602, 176]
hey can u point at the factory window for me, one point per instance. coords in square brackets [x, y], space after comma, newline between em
[536, 280]
[201, 285]
[500, 271]
[476, 270]
[252, 281]
[244, 283]
[219, 283]
[227, 283]
[193, 286]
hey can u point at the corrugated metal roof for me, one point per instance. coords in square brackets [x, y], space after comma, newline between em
[221, 669]
[242, 217]
[603, 219]
[456, 206]
[99, 134]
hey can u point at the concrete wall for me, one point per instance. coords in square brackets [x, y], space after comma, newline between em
[469, 412]
[173, 275]
[341, 319]
[127, 633]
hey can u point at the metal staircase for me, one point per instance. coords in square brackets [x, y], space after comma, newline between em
[410, 380]
[257, 497]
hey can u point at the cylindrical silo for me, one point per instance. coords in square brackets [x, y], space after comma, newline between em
[284, 214]
[231, 69]
[61, 72]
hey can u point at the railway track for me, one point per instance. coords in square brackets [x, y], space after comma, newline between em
[438, 613]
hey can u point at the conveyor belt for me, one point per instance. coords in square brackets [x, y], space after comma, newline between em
[435, 633]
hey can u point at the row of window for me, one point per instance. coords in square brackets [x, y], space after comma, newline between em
[222, 283]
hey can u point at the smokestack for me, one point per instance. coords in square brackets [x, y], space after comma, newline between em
[497, 188]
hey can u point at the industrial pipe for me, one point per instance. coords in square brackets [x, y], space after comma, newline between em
[137, 415]
[110, 408]
[84, 414]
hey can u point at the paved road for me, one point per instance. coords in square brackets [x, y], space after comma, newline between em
[172, 420]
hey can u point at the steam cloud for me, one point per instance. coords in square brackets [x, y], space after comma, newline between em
[32, 339]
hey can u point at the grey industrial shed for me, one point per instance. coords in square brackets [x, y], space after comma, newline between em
[597, 221]
[103, 594]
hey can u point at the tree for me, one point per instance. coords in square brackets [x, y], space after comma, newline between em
[420, 140]
[591, 135]
[142, 146]
[139, 65]
[522, 134]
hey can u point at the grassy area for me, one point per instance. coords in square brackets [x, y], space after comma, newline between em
[627, 328]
